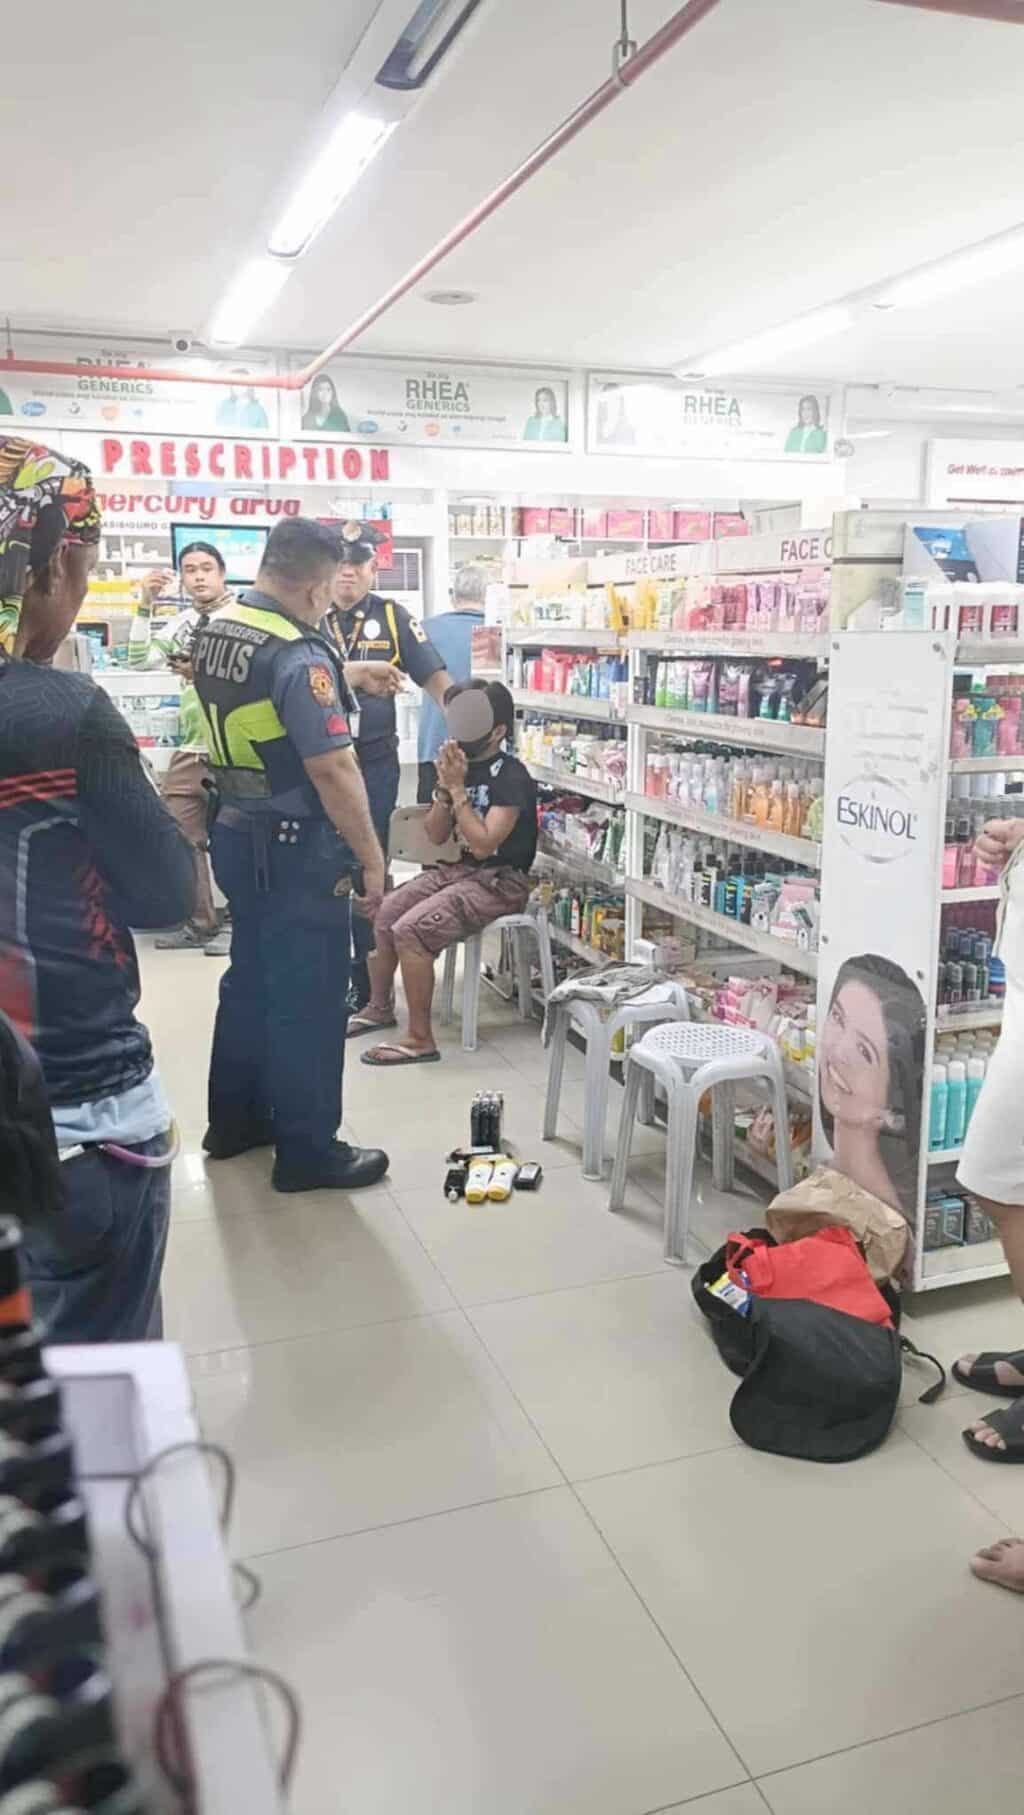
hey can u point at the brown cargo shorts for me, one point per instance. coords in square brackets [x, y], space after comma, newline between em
[448, 902]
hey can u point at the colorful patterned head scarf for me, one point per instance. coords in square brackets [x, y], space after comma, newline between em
[45, 499]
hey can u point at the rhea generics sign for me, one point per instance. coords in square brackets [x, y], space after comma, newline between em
[269, 462]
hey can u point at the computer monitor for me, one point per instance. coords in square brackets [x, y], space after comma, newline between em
[240, 547]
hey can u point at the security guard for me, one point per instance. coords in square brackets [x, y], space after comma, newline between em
[277, 715]
[380, 641]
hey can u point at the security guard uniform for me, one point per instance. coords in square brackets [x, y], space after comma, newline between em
[272, 693]
[380, 630]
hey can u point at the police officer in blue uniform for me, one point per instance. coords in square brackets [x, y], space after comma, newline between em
[380, 641]
[292, 823]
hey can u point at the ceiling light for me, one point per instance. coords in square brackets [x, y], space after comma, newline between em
[791, 336]
[355, 140]
[251, 292]
[869, 434]
[990, 258]
[419, 48]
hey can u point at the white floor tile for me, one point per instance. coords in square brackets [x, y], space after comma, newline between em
[419, 1135]
[539, 1241]
[743, 1800]
[938, 1429]
[492, 1660]
[361, 1427]
[816, 1607]
[974, 1762]
[320, 1261]
[965, 1319]
[614, 1376]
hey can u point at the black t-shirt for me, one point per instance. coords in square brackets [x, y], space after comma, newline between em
[381, 630]
[502, 781]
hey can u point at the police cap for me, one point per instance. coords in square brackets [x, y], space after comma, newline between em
[359, 542]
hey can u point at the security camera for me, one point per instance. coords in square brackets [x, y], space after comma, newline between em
[182, 343]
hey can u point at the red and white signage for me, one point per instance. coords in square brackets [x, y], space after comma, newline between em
[129, 507]
[975, 472]
[232, 462]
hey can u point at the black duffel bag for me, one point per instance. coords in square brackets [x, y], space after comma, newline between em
[815, 1383]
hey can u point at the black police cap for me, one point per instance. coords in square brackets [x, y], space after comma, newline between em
[359, 542]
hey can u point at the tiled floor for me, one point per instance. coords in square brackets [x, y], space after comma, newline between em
[513, 1558]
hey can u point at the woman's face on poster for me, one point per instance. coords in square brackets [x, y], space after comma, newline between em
[854, 1057]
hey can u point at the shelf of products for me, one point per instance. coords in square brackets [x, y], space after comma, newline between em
[565, 705]
[986, 765]
[944, 1156]
[989, 653]
[964, 1266]
[986, 893]
[587, 785]
[733, 831]
[749, 733]
[571, 942]
[590, 868]
[958, 1020]
[780, 951]
[561, 636]
[750, 643]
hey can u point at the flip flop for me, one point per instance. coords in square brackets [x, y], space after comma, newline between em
[358, 1024]
[981, 1378]
[405, 1057]
[1008, 1423]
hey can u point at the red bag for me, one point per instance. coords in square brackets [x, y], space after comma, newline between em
[827, 1267]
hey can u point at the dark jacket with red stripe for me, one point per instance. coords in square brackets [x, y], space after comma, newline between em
[87, 850]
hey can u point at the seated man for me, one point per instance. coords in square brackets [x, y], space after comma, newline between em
[489, 800]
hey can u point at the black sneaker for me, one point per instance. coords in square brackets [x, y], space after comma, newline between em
[228, 1143]
[341, 1168]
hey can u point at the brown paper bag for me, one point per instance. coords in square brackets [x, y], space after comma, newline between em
[827, 1197]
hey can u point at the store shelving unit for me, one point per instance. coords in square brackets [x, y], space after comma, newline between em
[749, 643]
[735, 831]
[957, 1020]
[580, 865]
[571, 942]
[777, 951]
[589, 786]
[949, 896]
[741, 733]
[566, 705]
[562, 636]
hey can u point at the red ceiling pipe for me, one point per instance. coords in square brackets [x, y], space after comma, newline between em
[1005, 12]
[629, 72]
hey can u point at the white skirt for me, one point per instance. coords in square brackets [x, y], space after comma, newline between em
[992, 1162]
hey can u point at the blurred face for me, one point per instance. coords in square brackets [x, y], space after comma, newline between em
[53, 601]
[203, 578]
[808, 412]
[352, 582]
[322, 394]
[545, 403]
[853, 1058]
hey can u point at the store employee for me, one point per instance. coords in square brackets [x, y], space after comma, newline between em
[384, 640]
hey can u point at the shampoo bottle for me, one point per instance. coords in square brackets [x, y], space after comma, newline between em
[937, 1109]
[956, 1102]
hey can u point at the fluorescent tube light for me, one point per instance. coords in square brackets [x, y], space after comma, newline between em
[355, 140]
[991, 258]
[791, 336]
[249, 294]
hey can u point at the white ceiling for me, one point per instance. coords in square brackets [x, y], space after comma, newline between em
[785, 153]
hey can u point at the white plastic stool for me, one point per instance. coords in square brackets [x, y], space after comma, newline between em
[598, 1030]
[686, 1061]
[519, 925]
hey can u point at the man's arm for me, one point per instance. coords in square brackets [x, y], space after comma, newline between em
[437, 685]
[482, 836]
[338, 780]
[139, 851]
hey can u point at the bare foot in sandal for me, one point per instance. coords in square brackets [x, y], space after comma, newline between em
[999, 1436]
[1002, 1563]
[405, 1052]
[994, 1371]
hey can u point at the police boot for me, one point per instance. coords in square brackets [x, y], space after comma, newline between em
[226, 1143]
[339, 1168]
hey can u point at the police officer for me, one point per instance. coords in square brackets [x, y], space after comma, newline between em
[380, 641]
[277, 714]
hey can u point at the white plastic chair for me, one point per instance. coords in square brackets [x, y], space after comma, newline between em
[598, 1030]
[520, 926]
[686, 1060]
